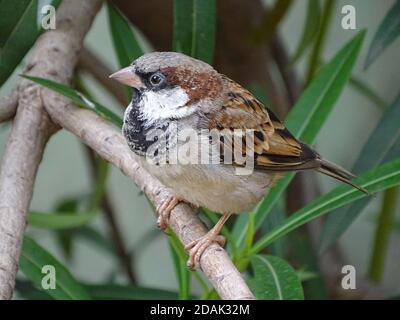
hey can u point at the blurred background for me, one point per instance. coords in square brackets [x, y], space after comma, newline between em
[64, 170]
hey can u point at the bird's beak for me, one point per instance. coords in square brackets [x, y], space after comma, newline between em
[128, 77]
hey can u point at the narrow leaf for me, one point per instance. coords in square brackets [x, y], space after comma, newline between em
[125, 42]
[34, 258]
[382, 146]
[64, 237]
[274, 279]
[381, 178]
[56, 220]
[317, 50]
[100, 185]
[203, 34]
[387, 32]
[386, 219]
[102, 292]
[310, 29]
[18, 32]
[181, 270]
[128, 292]
[78, 98]
[182, 37]
[194, 28]
[310, 113]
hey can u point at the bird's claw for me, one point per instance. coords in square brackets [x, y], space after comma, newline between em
[197, 247]
[164, 211]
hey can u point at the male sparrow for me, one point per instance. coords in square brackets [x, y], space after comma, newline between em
[174, 93]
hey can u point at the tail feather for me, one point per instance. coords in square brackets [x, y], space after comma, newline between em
[338, 173]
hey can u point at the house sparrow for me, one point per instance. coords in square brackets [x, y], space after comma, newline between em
[174, 92]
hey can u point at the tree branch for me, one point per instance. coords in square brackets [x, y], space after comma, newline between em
[111, 146]
[54, 56]
[8, 106]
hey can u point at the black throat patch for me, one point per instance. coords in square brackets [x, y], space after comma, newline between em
[137, 131]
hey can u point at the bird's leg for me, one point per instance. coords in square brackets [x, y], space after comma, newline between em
[197, 247]
[164, 211]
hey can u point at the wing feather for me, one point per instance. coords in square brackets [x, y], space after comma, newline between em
[274, 146]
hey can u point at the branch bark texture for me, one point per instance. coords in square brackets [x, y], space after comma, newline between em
[54, 56]
[8, 106]
[39, 112]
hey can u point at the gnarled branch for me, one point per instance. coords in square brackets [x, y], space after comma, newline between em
[54, 56]
[8, 106]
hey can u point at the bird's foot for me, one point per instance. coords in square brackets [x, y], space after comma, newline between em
[197, 247]
[164, 211]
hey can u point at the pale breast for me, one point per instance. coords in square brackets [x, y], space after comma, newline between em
[216, 187]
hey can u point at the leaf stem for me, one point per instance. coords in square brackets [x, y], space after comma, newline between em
[382, 233]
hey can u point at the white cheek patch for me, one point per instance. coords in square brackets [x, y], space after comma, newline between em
[164, 104]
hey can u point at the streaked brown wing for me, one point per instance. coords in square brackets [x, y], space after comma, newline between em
[274, 146]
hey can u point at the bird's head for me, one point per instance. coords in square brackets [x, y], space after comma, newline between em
[170, 85]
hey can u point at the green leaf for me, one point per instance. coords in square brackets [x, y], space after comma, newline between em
[58, 220]
[317, 50]
[125, 42]
[128, 292]
[67, 219]
[18, 32]
[181, 271]
[310, 29]
[27, 290]
[99, 188]
[34, 257]
[194, 28]
[310, 113]
[64, 237]
[387, 32]
[274, 279]
[386, 219]
[102, 292]
[313, 107]
[381, 178]
[303, 252]
[12, 13]
[382, 146]
[93, 236]
[306, 275]
[78, 98]
[182, 33]
[280, 247]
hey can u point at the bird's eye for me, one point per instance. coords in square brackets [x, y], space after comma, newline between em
[156, 79]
